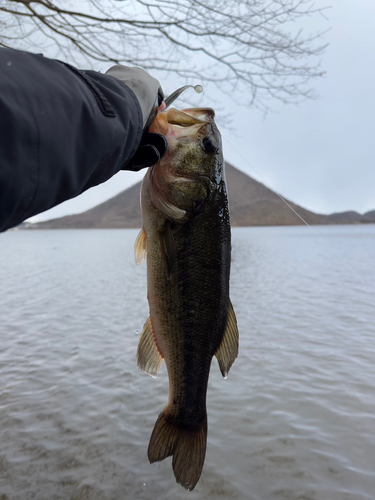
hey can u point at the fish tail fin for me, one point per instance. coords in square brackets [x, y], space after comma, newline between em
[187, 446]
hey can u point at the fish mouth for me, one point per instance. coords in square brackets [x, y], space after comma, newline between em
[188, 122]
[173, 123]
[191, 116]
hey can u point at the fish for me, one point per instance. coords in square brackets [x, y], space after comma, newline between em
[186, 240]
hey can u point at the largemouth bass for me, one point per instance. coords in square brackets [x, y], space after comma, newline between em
[186, 237]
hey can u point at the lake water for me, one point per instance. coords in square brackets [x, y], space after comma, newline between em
[294, 420]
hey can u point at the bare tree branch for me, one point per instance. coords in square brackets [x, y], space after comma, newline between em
[249, 45]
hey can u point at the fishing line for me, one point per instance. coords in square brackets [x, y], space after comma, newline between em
[303, 220]
[268, 185]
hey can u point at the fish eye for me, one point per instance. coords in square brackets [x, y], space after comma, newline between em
[210, 145]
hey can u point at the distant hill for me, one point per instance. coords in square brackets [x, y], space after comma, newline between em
[251, 204]
[352, 217]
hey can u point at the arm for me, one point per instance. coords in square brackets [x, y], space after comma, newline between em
[62, 131]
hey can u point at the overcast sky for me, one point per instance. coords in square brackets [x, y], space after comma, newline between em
[319, 154]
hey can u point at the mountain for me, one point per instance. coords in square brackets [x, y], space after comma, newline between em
[368, 216]
[251, 204]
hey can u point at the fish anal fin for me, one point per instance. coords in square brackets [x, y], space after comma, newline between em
[167, 246]
[187, 446]
[228, 349]
[149, 359]
[140, 247]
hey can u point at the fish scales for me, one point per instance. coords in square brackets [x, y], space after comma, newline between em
[194, 307]
[188, 266]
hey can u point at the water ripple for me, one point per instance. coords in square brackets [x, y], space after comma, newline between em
[294, 420]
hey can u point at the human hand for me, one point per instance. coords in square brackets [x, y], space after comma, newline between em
[146, 88]
[150, 96]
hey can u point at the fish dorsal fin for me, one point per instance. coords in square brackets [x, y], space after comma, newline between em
[167, 246]
[228, 349]
[149, 358]
[140, 247]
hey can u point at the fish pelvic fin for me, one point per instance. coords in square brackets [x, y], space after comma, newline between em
[140, 247]
[188, 448]
[149, 358]
[228, 349]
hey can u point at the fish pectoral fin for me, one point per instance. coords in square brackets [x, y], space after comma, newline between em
[140, 247]
[149, 358]
[167, 246]
[228, 349]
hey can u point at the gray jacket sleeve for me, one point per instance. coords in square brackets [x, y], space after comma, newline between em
[62, 131]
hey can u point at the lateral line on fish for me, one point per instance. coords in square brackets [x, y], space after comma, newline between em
[303, 220]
